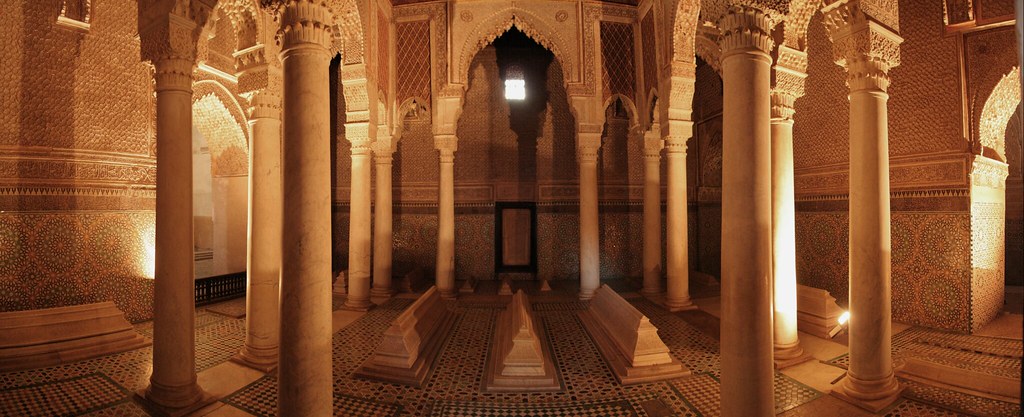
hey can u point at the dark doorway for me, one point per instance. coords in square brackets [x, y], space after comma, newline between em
[515, 237]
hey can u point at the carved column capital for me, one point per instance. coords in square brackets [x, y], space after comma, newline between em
[265, 104]
[788, 76]
[746, 28]
[383, 149]
[358, 135]
[862, 45]
[676, 135]
[446, 146]
[587, 146]
[303, 23]
[169, 42]
[653, 144]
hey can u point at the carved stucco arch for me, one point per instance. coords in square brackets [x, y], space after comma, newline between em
[219, 117]
[244, 16]
[489, 29]
[348, 28]
[995, 115]
[634, 117]
[684, 30]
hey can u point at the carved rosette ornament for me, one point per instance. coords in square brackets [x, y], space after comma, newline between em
[862, 45]
[744, 29]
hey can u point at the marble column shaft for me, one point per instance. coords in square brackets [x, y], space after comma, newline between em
[445, 274]
[359, 222]
[382, 224]
[867, 50]
[173, 382]
[304, 372]
[786, 337]
[870, 375]
[746, 348]
[262, 314]
[590, 260]
[652, 214]
[677, 255]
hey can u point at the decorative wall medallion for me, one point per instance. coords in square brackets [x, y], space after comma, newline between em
[561, 16]
[466, 16]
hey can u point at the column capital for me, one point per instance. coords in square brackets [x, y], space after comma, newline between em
[861, 44]
[587, 146]
[303, 23]
[788, 75]
[383, 149]
[258, 69]
[746, 28]
[447, 145]
[653, 144]
[358, 135]
[169, 42]
[264, 104]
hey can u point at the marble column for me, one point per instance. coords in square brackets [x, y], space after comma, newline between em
[359, 222]
[789, 85]
[587, 147]
[304, 370]
[677, 253]
[746, 348]
[262, 315]
[446, 146]
[173, 387]
[382, 224]
[652, 212]
[867, 51]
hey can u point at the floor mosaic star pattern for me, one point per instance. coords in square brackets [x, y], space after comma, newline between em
[102, 386]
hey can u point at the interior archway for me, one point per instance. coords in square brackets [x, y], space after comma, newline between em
[220, 183]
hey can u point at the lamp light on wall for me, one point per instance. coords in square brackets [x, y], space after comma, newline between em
[843, 324]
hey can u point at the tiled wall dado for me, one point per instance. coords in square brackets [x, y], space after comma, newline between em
[931, 264]
[50, 259]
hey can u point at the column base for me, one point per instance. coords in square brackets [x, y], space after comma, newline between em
[382, 292]
[173, 404]
[263, 360]
[587, 294]
[448, 294]
[361, 305]
[786, 357]
[873, 396]
[679, 305]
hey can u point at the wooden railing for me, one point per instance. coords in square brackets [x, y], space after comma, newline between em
[218, 288]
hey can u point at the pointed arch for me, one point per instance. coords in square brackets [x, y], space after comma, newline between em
[219, 117]
[485, 32]
[995, 116]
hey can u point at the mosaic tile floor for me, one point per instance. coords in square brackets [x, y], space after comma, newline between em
[102, 386]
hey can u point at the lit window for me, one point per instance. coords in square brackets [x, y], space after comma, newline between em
[515, 89]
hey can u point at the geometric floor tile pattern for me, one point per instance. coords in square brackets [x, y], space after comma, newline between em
[72, 396]
[101, 386]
